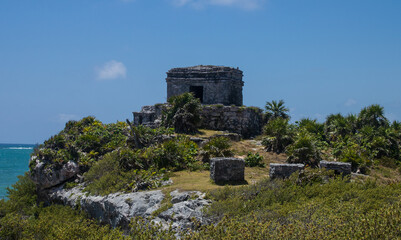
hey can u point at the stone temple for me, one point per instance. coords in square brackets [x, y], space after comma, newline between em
[220, 91]
[211, 84]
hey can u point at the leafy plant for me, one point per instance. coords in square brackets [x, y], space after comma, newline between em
[303, 150]
[254, 160]
[216, 147]
[278, 135]
[183, 113]
[276, 109]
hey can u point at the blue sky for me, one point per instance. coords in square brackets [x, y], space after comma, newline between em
[62, 60]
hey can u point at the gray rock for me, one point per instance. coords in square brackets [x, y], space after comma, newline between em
[50, 175]
[118, 209]
[227, 169]
[115, 209]
[278, 170]
[185, 213]
[338, 167]
[179, 197]
[232, 136]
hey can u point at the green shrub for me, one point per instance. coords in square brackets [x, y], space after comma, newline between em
[107, 176]
[216, 147]
[183, 113]
[175, 154]
[143, 136]
[81, 141]
[278, 135]
[254, 160]
[22, 197]
[313, 206]
[55, 222]
[142, 229]
[303, 150]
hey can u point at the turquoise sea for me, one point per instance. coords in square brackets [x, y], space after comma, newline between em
[14, 161]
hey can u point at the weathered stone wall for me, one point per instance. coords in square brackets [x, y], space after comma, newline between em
[246, 121]
[227, 169]
[220, 85]
[149, 115]
[278, 170]
[338, 167]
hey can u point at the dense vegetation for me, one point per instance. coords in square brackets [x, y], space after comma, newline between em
[364, 139]
[315, 205]
[312, 205]
[82, 141]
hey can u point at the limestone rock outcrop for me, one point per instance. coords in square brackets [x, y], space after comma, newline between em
[118, 209]
[50, 175]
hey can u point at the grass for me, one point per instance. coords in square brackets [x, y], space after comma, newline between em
[200, 180]
[205, 133]
[242, 148]
[385, 175]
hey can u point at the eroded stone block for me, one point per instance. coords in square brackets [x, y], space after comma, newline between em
[338, 167]
[278, 170]
[227, 169]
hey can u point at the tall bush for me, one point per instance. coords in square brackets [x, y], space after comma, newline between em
[183, 113]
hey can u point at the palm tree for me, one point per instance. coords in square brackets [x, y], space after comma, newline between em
[278, 135]
[275, 110]
[372, 116]
[337, 126]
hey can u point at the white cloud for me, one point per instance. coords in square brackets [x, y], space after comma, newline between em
[111, 70]
[64, 117]
[350, 102]
[243, 4]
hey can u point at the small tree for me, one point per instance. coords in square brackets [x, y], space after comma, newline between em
[276, 109]
[183, 113]
[373, 116]
[278, 135]
[304, 150]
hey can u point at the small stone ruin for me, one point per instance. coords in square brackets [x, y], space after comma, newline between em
[278, 170]
[338, 167]
[227, 169]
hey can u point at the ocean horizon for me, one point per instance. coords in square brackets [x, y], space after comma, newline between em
[14, 161]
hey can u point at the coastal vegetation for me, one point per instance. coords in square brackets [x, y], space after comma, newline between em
[182, 113]
[364, 140]
[313, 204]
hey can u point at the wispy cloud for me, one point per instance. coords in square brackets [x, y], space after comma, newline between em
[111, 70]
[350, 102]
[243, 4]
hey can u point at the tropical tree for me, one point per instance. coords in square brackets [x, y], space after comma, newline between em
[337, 126]
[312, 126]
[278, 135]
[276, 109]
[183, 113]
[304, 149]
[373, 116]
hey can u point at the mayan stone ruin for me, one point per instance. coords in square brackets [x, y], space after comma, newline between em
[278, 170]
[338, 167]
[227, 169]
[220, 91]
[211, 84]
